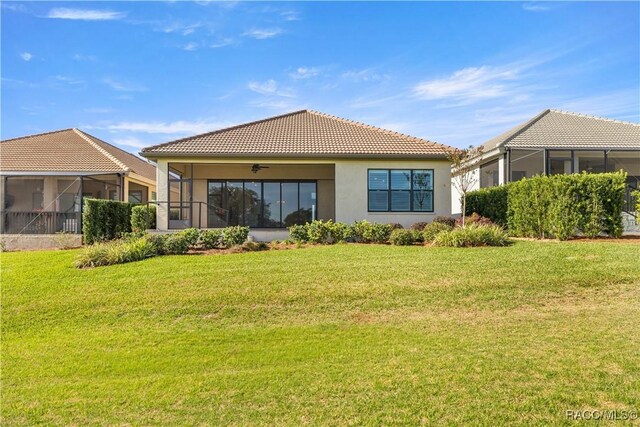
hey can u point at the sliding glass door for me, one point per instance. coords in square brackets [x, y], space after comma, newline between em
[261, 204]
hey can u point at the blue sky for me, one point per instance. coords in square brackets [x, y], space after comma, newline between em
[137, 74]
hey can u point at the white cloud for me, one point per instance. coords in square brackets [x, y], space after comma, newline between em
[184, 29]
[227, 41]
[263, 33]
[68, 80]
[177, 127]
[269, 87]
[130, 141]
[304, 73]
[365, 75]
[123, 86]
[80, 57]
[290, 15]
[84, 14]
[26, 56]
[469, 84]
[535, 6]
[191, 46]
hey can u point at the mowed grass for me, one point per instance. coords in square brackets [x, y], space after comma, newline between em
[338, 335]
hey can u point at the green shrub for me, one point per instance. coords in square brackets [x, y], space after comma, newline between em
[432, 230]
[298, 233]
[235, 235]
[157, 242]
[474, 218]
[400, 237]
[143, 217]
[418, 237]
[561, 206]
[490, 203]
[341, 232]
[359, 230]
[318, 231]
[377, 233]
[212, 239]
[418, 226]
[104, 220]
[115, 252]
[445, 220]
[255, 246]
[176, 244]
[191, 235]
[473, 235]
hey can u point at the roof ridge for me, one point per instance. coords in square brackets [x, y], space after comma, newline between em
[570, 113]
[376, 128]
[100, 149]
[241, 125]
[37, 134]
[526, 125]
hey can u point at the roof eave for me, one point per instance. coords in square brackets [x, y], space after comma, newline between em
[157, 155]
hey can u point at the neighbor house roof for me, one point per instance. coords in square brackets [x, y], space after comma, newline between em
[66, 151]
[562, 129]
[302, 133]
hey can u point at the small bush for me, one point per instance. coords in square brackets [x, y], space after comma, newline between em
[418, 226]
[341, 232]
[115, 252]
[176, 244]
[191, 235]
[255, 246]
[474, 218]
[418, 237]
[445, 220]
[298, 233]
[400, 237]
[143, 217]
[432, 230]
[235, 235]
[359, 230]
[212, 239]
[377, 233]
[318, 231]
[473, 235]
[157, 242]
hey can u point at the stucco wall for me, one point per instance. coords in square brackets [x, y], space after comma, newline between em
[351, 190]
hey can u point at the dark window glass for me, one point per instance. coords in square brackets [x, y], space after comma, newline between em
[400, 180]
[400, 200]
[252, 203]
[378, 201]
[135, 196]
[378, 179]
[217, 215]
[271, 203]
[526, 163]
[489, 174]
[422, 190]
[590, 161]
[290, 203]
[308, 203]
[234, 199]
[423, 201]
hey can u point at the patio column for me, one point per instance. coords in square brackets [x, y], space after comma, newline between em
[162, 194]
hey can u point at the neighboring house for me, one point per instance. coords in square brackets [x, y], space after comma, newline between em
[293, 168]
[559, 142]
[45, 177]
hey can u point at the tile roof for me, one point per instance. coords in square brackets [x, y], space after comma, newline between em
[300, 134]
[562, 129]
[68, 150]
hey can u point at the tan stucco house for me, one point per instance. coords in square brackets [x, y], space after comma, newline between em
[44, 178]
[296, 167]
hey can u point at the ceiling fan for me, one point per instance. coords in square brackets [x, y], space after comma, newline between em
[256, 167]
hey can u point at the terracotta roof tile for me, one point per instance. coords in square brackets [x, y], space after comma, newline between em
[301, 133]
[68, 150]
[562, 129]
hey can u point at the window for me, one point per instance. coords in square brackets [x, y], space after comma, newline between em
[400, 190]
[262, 204]
[489, 174]
[526, 163]
[135, 196]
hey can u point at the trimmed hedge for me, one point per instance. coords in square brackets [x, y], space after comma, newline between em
[400, 237]
[139, 222]
[490, 203]
[561, 206]
[104, 220]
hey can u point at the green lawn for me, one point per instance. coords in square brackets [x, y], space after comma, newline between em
[342, 335]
